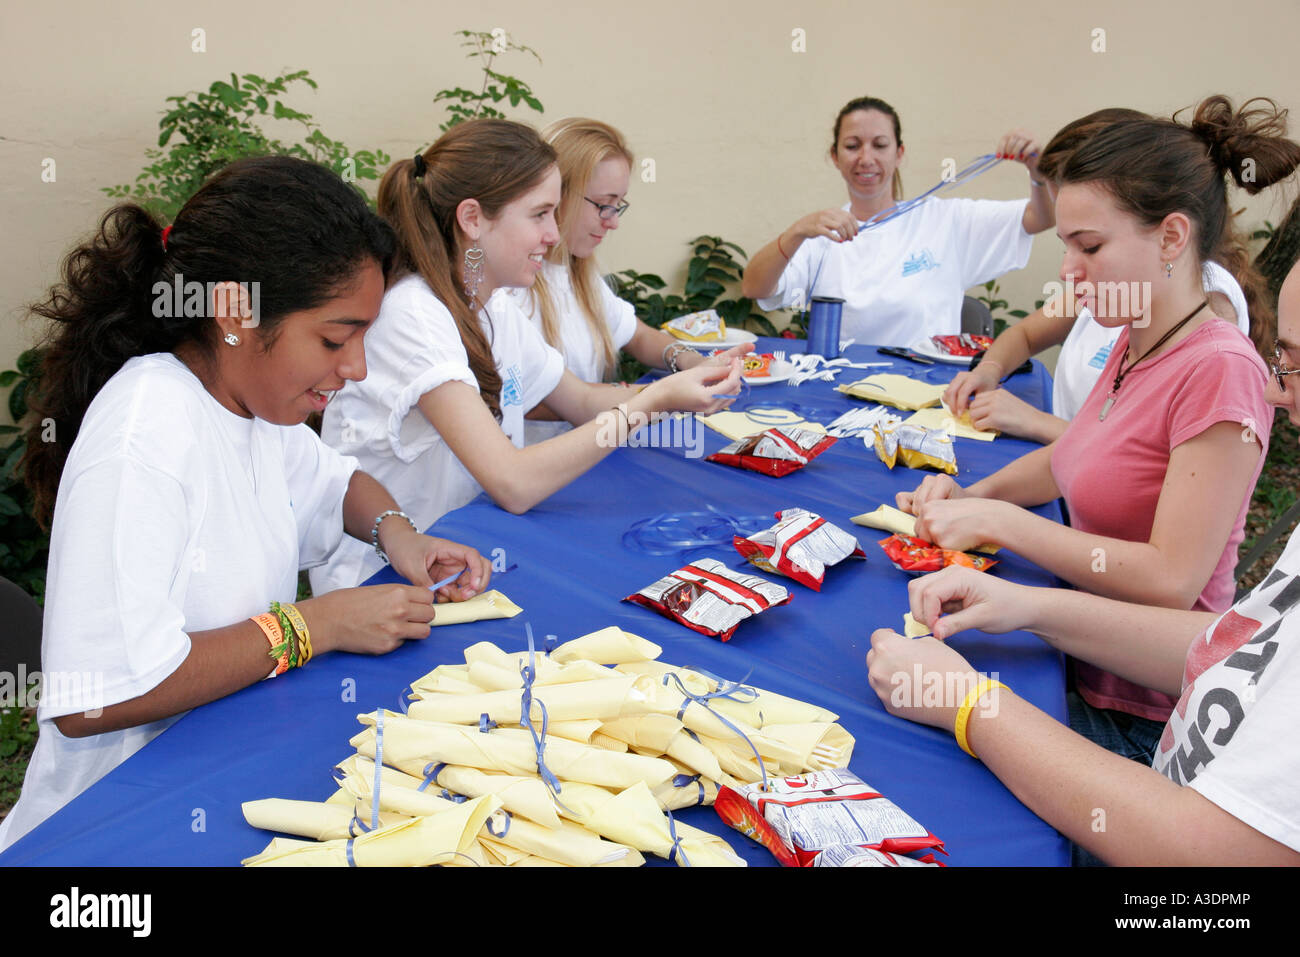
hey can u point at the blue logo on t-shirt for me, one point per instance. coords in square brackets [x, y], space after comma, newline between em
[1099, 360]
[512, 389]
[919, 262]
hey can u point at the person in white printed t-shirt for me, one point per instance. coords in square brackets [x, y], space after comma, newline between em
[1221, 787]
[192, 492]
[454, 368]
[573, 307]
[903, 280]
[1085, 343]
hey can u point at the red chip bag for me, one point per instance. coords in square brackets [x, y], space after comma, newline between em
[967, 344]
[800, 546]
[777, 451]
[916, 555]
[814, 812]
[708, 597]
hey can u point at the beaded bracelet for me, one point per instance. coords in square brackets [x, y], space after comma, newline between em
[963, 713]
[374, 532]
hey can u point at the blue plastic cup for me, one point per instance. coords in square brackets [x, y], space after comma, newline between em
[824, 326]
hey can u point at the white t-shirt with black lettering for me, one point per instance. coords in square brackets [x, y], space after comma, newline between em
[412, 348]
[174, 515]
[1232, 735]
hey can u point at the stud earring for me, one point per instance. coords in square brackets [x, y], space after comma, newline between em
[472, 273]
[231, 339]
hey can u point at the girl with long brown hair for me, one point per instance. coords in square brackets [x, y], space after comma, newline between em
[453, 368]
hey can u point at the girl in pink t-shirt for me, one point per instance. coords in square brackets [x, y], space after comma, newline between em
[1157, 468]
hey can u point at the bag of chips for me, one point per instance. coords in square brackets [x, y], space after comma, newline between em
[966, 344]
[916, 447]
[777, 451]
[849, 856]
[706, 326]
[916, 555]
[815, 812]
[708, 597]
[800, 546]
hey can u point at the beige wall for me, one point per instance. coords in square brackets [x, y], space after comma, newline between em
[735, 120]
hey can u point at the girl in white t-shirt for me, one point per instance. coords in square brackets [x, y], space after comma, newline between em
[1221, 787]
[903, 280]
[1085, 343]
[574, 308]
[441, 414]
[186, 492]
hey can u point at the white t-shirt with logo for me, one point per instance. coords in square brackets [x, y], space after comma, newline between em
[412, 348]
[174, 515]
[904, 280]
[1232, 735]
[1087, 347]
[582, 354]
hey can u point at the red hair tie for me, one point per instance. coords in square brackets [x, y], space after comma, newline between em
[167, 231]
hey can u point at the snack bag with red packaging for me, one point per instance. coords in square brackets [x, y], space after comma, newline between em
[916, 555]
[800, 546]
[966, 344]
[810, 813]
[777, 451]
[848, 856]
[708, 597]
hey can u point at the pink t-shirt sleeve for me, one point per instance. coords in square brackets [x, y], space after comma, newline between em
[1225, 387]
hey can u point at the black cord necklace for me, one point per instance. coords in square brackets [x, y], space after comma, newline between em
[1125, 370]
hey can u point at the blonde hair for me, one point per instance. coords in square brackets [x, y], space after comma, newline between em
[580, 146]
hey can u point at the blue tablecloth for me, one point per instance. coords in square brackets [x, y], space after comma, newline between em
[177, 801]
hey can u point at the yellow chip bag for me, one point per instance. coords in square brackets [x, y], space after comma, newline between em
[916, 448]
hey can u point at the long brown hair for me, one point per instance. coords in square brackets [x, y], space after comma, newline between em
[580, 146]
[292, 228]
[492, 161]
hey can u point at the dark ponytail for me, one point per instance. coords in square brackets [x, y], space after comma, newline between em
[290, 226]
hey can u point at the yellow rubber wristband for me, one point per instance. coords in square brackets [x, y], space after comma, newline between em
[963, 713]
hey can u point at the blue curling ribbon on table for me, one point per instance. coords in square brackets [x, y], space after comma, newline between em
[677, 843]
[374, 790]
[431, 776]
[485, 724]
[670, 533]
[504, 831]
[730, 690]
[682, 780]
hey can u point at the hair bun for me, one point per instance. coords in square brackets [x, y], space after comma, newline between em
[1249, 143]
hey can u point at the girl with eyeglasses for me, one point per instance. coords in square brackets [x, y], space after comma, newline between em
[575, 310]
[1158, 466]
[1236, 292]
[1220, 787]
[903, 280]
[453, 368]
[185, 490]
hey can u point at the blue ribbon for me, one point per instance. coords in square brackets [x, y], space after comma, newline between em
[976, 166]
[529, 672]
[374, 787]
[453, 797]
[682, 780]
[728, 690]
[431, 777]
[551, 642]
[677, 843]
[505, 830]
[766, 413]
[670, 533]
[485, 724]
[352, 861]
[403, 702]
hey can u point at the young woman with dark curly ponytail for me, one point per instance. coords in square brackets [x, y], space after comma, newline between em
[184, 490]
[1158, 466]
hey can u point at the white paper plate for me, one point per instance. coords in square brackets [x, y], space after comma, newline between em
[924, 347]
[780, 371]
[734, 337]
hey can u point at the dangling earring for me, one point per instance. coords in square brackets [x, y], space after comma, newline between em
[472, 273]
[231, 339]
[1169, 270]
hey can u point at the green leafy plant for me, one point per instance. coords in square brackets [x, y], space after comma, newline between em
[991, 297]
[711, 270]
[497, 87]
[202, 132]
[24, 546]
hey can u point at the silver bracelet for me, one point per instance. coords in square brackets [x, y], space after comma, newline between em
[374, 532]
[671, 352]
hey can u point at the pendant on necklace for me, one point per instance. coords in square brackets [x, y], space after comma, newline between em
[1110, 400]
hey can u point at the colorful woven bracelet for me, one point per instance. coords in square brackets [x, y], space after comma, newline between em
[270, 625]
[303, 632]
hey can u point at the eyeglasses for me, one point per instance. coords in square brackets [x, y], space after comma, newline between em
[1277, 367]
[608, 212]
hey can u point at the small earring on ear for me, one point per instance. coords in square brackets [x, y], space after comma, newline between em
[1169, 270]
[231, 339]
